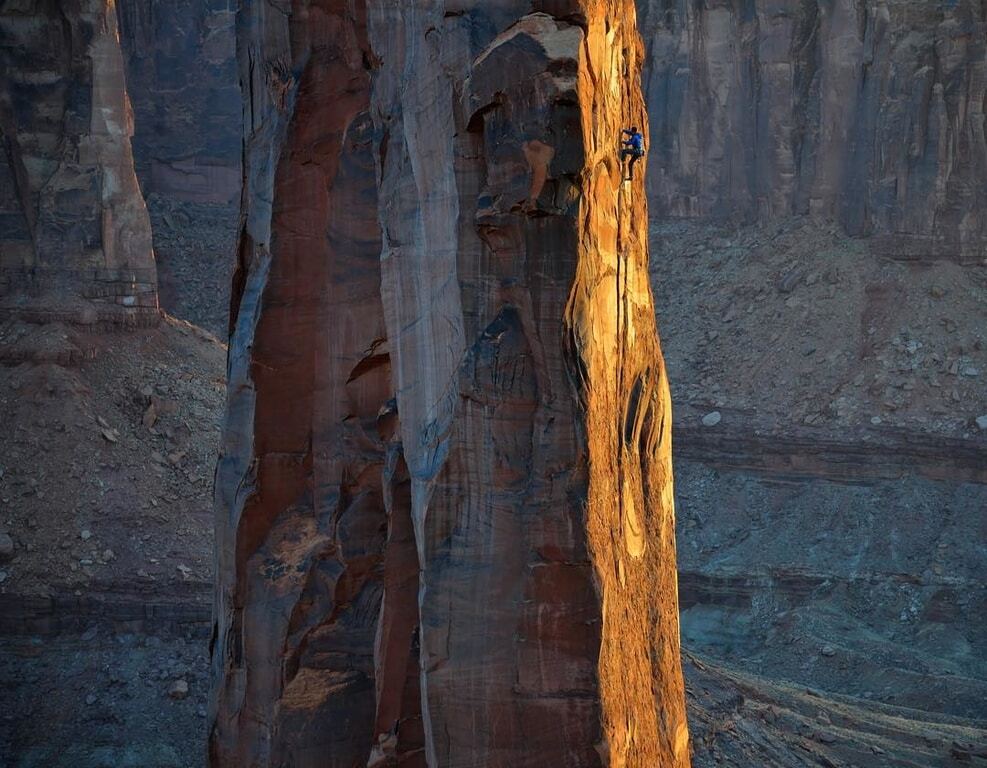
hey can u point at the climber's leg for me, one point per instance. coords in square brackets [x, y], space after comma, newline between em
[626, 152]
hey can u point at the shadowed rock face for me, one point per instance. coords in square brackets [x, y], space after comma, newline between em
[300, 498]
[182, 78]
[72, 219]
[445, 519]
[870, 113]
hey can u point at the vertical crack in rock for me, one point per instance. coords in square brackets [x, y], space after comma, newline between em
[445, 521]
[399, 737]
[75, 240]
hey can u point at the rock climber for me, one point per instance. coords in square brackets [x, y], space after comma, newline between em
[633, 148]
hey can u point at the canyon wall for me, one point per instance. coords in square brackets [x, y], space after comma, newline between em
[302, 521]
[445, 527]
[75, 240]
[867, 112]
[183, 80]
[182, 77]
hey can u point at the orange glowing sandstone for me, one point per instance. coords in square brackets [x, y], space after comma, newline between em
[445, 501]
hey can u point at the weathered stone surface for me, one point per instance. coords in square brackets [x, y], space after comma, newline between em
[72, 219]
[302, 522]
[182, 79]
[532, 398]
[183, 82]
[445, 517]
[870, 113]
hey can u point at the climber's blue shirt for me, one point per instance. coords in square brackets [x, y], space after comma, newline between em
[636, 142]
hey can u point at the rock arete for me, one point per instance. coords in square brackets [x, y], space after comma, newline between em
[444, 501]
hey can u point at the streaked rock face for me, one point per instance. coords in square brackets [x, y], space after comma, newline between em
[867, 112]
[445, 516]
[302, 521]
[74, 225]
[182, 79]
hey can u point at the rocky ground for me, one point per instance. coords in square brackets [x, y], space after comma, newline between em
[795, 324]
[832, 594]
[830, 487]
[874, 589]
[103, 699]
[105, 476]
[106, 542]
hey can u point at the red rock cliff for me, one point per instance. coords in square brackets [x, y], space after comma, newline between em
[302, 521]
[73, 219]
[445, 515]
[867, 112]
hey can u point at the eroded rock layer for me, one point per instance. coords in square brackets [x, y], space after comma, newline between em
[869, 113]
[445, 511]
[72, 220]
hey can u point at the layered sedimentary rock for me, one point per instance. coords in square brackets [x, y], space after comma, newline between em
[72, 219]
[869, 113]
[445, 517]
[182, 78]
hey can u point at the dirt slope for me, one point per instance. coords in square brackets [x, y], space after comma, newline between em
[795, 324]
[110, 442]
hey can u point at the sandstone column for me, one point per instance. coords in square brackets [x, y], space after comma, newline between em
[300, 501]
[534, 406]
[76, 241]
[445, 516]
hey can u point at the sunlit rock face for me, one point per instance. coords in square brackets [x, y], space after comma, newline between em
[75, 241]
[870, 113]
[445, 519]
[534, 409]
